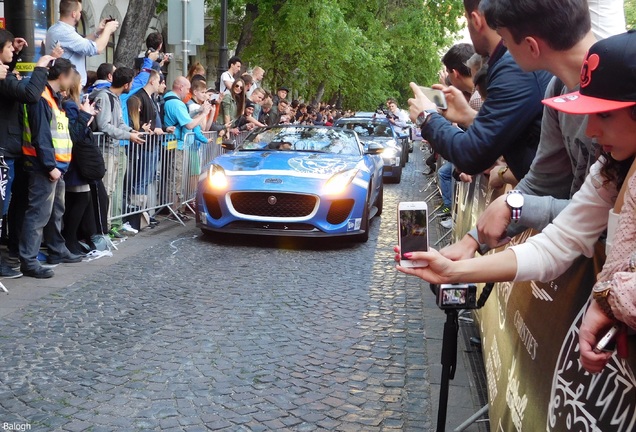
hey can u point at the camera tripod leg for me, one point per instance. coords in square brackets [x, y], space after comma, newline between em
[449, 364]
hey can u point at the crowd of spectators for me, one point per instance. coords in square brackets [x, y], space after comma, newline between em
[100, 146]
[558, 123]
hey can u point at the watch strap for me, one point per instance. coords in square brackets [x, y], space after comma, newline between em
[601, 292]
[516, 211]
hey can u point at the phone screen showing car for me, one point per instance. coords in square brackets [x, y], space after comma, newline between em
[413, 231]
[436, 96]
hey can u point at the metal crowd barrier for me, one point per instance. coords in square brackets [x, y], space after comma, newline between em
[139, 177]
[197, 155]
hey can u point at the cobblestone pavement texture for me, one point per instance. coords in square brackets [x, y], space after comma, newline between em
[230, 334]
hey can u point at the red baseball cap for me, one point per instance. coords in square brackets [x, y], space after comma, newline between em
[608, 78]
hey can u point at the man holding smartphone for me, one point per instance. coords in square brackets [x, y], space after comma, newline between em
[509, 122]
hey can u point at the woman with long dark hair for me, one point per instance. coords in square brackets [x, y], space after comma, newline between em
[233, 105]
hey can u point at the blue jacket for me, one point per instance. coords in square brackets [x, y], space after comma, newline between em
[508, 123]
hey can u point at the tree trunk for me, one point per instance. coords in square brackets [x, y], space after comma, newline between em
[247, 32]
[319, 94]
[133, 30]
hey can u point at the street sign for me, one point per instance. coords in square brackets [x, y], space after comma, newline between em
[195, 25]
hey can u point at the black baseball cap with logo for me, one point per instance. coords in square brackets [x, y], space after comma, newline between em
[608, 78]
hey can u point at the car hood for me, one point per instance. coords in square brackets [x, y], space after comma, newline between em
[385, 141]
[287, 163]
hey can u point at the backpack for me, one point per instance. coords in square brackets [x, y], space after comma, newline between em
[93, 126]
[88, 159]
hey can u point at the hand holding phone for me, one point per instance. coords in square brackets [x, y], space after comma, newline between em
[412, 231]
[608, 342]
[436, 96]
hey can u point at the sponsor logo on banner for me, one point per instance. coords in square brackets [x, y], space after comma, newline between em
[503, 292]
[517, 402]
[493, 369]
[526, 336]
[577, 397]
[541, 294]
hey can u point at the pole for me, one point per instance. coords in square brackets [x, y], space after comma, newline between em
[20, 16]
[222, 66]
[449, 364]
[185, 40]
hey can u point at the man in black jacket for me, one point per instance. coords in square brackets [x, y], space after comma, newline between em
[13, 93]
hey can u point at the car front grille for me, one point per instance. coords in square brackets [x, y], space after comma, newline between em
[275, 205]
[339, 211]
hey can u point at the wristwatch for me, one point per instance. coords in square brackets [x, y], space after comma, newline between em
[422, 119]
[514, 199]
[600, 293]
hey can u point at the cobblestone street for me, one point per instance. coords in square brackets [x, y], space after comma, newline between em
[229, 334]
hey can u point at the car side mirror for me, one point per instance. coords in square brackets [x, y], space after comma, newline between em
[374, 149]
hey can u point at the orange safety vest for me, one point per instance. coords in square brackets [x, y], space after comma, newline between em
[62, 143]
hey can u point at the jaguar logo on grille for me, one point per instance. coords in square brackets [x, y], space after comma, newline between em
[274, 181]
[272, 200]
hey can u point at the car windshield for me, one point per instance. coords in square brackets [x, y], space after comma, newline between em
[303, 139]
[368, 128]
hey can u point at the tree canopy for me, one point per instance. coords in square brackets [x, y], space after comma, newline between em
[361, 50]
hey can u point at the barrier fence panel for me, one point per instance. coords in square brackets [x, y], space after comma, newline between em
[530, 336]
[197, 155]
[139, 177]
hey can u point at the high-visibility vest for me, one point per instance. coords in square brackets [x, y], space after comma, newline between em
[62, 142]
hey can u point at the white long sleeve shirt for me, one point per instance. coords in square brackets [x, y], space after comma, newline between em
[572, 233]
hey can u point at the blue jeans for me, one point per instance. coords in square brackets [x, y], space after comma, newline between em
[445, 176]
[43, 218]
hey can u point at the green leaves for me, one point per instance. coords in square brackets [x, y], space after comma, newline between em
[364, 50]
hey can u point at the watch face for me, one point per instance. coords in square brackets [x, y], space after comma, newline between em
[515, 200]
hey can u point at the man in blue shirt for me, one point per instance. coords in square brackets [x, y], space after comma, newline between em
[176, 114]
[76, 48]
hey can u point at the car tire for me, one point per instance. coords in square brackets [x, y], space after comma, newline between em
[366, 223]
[406, 153]
[379, 201]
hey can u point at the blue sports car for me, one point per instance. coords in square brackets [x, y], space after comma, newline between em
[292, 180]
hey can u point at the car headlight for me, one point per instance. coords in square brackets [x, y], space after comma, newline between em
[217, 177]
[339, 182]
[390, 152]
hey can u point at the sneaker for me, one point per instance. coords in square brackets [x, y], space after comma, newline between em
[444, 210]
[154, 221]
[7, 272]
[68, 259]
[128, 230]
[447, 223]
[38, 273]
[12, 261]
[115, 234]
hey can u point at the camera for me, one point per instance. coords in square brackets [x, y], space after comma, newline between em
[457, 296]
[109, 19]
[162, 56]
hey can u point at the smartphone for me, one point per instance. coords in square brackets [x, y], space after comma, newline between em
[85, 98]
[607, 343]
[436, 96]
[412, 231]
